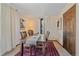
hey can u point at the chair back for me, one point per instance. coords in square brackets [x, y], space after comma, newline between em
[30, 32]
[23, 35]
[47, 35]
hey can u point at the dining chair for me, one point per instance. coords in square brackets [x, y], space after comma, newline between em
[40, 47]
[47, 35]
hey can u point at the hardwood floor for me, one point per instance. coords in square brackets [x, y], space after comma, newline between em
[13, 52]
[60, 49]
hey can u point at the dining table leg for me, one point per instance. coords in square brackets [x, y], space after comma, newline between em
[22, 49]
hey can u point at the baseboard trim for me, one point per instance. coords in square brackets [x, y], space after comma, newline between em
[58, 42]
[7, 52]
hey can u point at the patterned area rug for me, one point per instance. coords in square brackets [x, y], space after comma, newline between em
[49, 51]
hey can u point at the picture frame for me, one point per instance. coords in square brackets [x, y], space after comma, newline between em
[22, 23]
[59, 23]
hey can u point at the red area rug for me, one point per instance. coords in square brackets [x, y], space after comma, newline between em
[50, 51]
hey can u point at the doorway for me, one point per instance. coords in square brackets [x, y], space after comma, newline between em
[69, 30]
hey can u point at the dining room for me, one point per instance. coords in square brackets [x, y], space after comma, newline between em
[37, 29]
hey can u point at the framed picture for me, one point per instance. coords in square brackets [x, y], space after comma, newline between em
[59, 23]
[22, 23]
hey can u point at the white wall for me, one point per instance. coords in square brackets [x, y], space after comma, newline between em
[51, 26]
[77, 29]
[5, 29]
[15, 16]
[0, 29]
[15, 27]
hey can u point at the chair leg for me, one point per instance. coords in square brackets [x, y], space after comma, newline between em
[30, 51]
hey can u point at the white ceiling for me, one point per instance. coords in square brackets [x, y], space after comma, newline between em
[40, 9]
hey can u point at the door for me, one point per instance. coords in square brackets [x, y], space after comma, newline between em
[69, 21]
